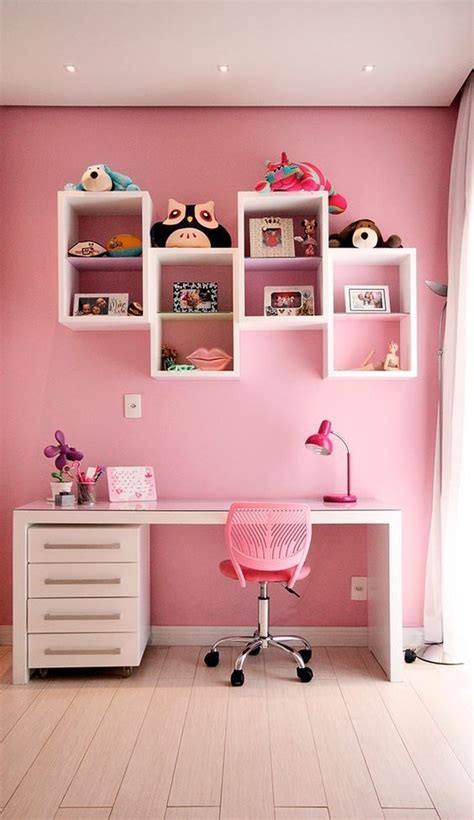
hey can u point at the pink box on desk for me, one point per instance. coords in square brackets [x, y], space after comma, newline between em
[131, 483]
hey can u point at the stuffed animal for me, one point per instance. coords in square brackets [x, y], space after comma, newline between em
[102, 178]
[299, 176]
[363, 233]
[124, 244]
[190, 226]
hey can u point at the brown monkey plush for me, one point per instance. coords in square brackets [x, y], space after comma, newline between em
[363, 233]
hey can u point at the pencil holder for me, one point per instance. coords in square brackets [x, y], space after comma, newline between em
[86, 493]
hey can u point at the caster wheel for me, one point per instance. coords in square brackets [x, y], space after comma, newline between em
[43, 673]
[126, 671]
[255, 651]
[237, 678]
[410, 656]
[305, 675]
[306, 654]
[212, 658]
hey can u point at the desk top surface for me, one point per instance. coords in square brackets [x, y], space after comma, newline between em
[200, 505]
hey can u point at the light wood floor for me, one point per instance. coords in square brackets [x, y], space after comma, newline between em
[176, 742]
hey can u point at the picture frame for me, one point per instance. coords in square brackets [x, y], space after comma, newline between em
[131, 484]
[289, 300]
[195, 297]
[100, 304]
[367, 298]
[271, 237]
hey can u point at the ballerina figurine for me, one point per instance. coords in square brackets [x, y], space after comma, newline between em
[391, 361]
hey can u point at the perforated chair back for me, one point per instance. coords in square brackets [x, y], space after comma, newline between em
[268, 536]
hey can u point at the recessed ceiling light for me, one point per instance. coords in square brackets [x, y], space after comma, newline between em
[70, 68]
[368, 67]
[223, 68]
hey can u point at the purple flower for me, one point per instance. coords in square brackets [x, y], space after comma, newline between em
[62, 451]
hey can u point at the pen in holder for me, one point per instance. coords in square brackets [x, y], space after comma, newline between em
[86, 493]
[86, 483]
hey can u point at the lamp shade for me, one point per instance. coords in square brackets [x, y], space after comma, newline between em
[320, 442]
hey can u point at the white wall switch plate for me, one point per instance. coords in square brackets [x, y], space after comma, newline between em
[358, 588]
[133, 406]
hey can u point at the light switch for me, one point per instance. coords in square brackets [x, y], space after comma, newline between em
[358, 588]
[133, 406]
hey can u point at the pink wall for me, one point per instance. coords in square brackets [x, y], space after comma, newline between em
[227, 439]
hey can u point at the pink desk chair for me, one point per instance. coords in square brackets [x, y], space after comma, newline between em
[268, 542]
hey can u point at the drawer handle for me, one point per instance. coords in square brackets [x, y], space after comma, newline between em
[116, 651]
[115, 616]
[83, 580]
[81, 546]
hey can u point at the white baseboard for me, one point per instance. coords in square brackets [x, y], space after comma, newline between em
[206, 635]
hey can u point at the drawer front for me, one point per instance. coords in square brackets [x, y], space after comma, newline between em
[82, 580]
[96, 649]
[82, 615]
[51, 544]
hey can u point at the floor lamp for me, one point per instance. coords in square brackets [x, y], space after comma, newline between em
[433, 652]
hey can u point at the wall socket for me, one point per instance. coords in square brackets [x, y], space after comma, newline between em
[132, 406]
[359, 588]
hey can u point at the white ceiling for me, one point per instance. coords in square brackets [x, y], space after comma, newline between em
[165, 52]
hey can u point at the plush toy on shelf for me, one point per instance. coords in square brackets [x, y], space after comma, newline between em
[391, 361]
[190, 226]
[363, 233]
[124, 244]
[102, 178]
[308, 240]
[299, 176]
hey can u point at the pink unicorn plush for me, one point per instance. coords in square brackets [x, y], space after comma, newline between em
[300, 176]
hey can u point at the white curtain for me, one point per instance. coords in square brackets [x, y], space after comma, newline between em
[449, 588]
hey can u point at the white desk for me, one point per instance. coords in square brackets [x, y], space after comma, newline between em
[383, 554]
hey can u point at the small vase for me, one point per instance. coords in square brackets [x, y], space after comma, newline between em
[60, 487]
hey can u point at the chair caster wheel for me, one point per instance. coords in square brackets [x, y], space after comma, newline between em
[305, 675]
[237, 678]
[212, 658]
[306, 654]
[410, 656]
[255, 651]
[43, 673]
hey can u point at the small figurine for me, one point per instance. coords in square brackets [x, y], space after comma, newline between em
[168, 357]
[308, 240]
[391, 361]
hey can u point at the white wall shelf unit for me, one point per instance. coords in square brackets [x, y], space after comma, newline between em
[83, 215]
[188, 331]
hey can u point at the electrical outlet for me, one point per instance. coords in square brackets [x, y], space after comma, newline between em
[359, 588]
[132, 406]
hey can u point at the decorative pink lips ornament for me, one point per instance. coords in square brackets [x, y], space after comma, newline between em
[214, 359]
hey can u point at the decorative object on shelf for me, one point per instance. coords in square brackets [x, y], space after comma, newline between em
[100, 304]
[124, 244]
[271, 236]
[299, 176]
[86, 483]
[190, 226]
[308, 240]
[131, 483]
[289, 300]
[135, 309]
[367, 298]
[195, 297]
[363, 233]
[320, 443]
[214, 359]
[182, 368]
[102, 178]
[87, 248]
[390, 362]
[64, 499]
[168, 357]
[62, 453]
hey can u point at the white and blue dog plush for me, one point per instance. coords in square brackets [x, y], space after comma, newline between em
[102, 178]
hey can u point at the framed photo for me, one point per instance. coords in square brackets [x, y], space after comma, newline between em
[131, 484]
[100, 304]
[367, 298]
[271, 236]
[289, 300]
[194, 297]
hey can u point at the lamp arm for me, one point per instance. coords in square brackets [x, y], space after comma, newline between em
[333, 432]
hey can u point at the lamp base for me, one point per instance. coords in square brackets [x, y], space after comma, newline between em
[340, 499]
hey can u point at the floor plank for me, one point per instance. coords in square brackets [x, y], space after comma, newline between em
[98, 778]
[39, 794]
[410, 814]
[14, 701]
[395, 778]
[445, 778]
[32, 730]
[247, 792]
[197, 778]
[301, 814]
[180, 662]
[82, 814]
[196, 813]
[349, 789]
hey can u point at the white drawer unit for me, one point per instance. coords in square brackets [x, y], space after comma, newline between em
[88, 595]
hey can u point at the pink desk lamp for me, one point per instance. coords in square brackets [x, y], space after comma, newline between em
[321, 444]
